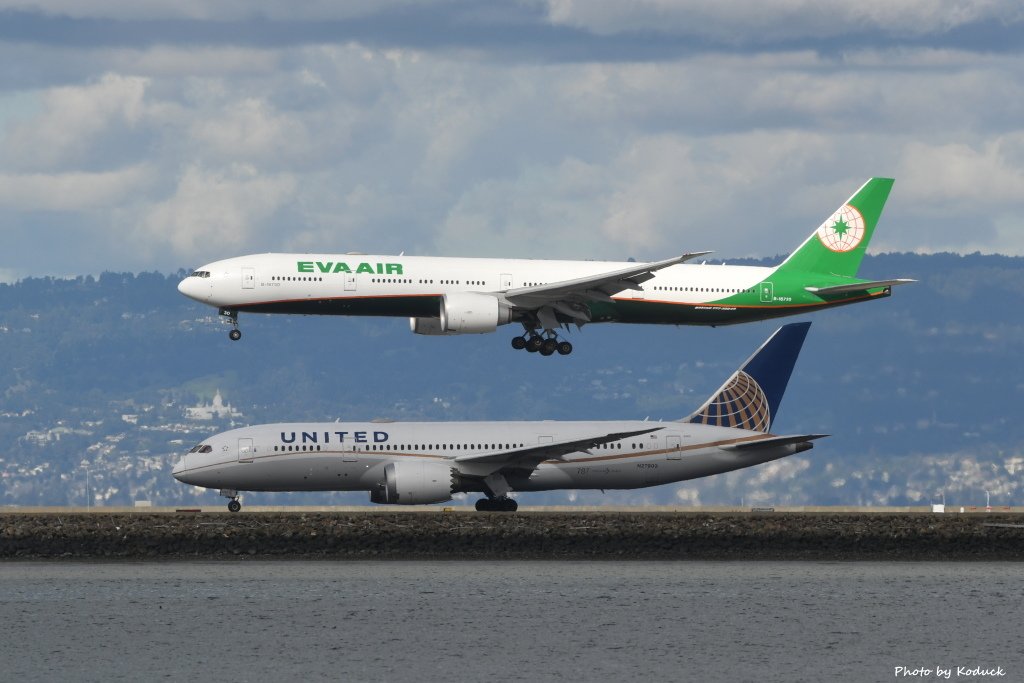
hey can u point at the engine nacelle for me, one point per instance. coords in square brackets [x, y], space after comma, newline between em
[414, 483]
[470, 313]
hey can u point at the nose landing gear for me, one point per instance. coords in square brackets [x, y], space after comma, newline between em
[235, 334]
[233, 504]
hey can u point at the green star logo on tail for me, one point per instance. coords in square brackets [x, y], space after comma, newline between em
[843, 230]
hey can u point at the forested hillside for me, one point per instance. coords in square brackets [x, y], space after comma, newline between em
[920, 391]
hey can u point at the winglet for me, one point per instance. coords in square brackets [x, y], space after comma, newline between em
[750, 398]
[690, 255]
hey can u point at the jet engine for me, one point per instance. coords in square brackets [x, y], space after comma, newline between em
[414, 483]
[469, 313]
[464, 313]
[431, 326]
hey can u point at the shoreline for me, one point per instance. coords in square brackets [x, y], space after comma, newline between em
[438, 535]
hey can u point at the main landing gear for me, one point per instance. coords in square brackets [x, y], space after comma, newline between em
[503, 504]
[235, 334]
[545, 346]
[233, 505]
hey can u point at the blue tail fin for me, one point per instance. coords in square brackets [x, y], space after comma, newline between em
[751, 397]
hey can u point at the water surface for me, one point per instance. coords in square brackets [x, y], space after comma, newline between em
[521, 621]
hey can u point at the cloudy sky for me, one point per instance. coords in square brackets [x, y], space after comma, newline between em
[158, 135]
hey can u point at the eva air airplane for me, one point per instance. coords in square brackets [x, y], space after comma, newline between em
[413, 463]
[445, 296]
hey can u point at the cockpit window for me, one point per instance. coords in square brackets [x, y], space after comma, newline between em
[201, 448]
[199, 273]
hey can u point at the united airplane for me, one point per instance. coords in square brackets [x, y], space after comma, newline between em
[447, 296]
[413, 463]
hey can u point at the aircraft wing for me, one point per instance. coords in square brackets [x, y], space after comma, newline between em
[857, 286]
[599, 287]
[528, 457]
[772, 441]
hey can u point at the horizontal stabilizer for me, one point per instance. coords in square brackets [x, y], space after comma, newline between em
[772, 441]
[857, 286]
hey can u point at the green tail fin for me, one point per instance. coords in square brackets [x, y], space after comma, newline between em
[838, 245]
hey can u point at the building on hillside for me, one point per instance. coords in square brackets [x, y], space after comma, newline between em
[217, 409]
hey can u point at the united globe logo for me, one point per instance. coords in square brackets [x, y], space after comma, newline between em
[741, 404]
[843, 230]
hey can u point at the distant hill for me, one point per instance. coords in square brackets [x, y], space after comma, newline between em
[920, 391]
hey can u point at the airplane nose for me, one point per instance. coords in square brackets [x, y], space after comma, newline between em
[178, 468]
[195, 288]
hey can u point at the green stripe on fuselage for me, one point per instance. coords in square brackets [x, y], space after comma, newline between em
[738, 308]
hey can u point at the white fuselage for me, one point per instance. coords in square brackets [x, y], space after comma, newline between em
[413, 286]
[352, 456]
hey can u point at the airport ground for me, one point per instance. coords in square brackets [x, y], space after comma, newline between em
[819, 534]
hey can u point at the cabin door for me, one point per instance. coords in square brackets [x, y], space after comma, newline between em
[248, 278]
[672, 446]
[767, 292]
[245, 450]
[506, 281]
[350, 282]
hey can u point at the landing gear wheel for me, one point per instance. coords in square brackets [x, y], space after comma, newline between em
[518, 343]
[496, 505]
[235, 335]
[534, 344]
[548, 347]
[564, 348]
[234, 506]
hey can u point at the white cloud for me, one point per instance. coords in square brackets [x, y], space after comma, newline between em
[688, 495]
[544, 211]
[216, 209]
[73, 191]
[742, 20]
[223, 10]
[940, 174]
[350, 147]
[70, 118]
[250, 130]
[170, 61]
